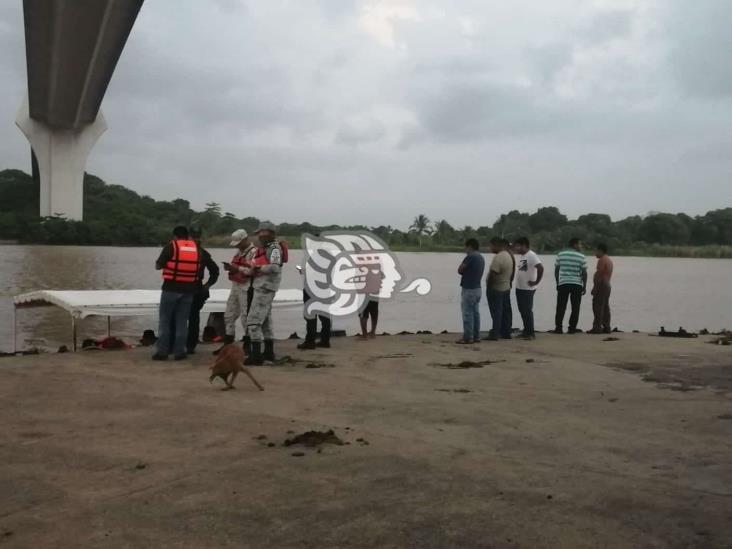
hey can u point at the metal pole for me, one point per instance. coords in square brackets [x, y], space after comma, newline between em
[15, 344]
[73, 331]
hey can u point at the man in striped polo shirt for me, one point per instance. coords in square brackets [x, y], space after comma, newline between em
[570, 273]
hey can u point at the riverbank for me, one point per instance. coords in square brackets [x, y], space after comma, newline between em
[566, 441]
[699, 252]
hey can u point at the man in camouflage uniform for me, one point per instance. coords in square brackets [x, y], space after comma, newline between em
[267, 274]
[239, 300]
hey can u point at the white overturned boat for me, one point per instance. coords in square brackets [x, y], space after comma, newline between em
[83, 303]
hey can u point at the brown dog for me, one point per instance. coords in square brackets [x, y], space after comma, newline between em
[229, 362]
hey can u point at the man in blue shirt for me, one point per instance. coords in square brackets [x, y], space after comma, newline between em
[471, 271]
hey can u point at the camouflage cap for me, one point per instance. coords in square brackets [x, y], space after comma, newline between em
[265, 226]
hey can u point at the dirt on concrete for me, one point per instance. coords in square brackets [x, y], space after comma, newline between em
[467, 364]
[312, 439]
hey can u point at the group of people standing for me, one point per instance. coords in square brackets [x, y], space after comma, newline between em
[515, 264]
[255, 273]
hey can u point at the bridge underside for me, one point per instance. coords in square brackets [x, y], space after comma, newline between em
[72, 49]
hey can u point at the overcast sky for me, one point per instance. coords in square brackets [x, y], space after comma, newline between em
[372, 111]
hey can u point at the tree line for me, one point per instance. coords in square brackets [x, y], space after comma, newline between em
[115, 215]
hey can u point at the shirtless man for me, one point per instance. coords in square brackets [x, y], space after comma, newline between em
[601, 291]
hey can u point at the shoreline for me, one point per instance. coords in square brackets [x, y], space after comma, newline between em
[656, 252]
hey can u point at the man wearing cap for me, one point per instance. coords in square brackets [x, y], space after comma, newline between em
[206, 263]
[240, 273]
[266, 267]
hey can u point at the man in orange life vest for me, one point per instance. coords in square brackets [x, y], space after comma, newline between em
[179, 260]
[267, 274]
[240, 298]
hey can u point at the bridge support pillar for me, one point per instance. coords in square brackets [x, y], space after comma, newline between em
[61, 155]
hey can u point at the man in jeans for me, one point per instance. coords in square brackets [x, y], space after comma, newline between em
[570, 272]
[206, 263]
[601, 291]
[500, 277]
[529, 272]
[471, 273]
[180, 262]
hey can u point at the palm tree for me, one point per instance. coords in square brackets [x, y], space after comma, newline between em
[421, 226]
[444, 231]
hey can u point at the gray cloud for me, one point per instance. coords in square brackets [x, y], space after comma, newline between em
[700, 44]
[371, 111]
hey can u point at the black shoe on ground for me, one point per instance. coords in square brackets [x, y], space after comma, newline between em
[306, 345]
[268, 354]
[159, 357]
[191, 351]
[182, 356]
[323, 344]
[527, 337]
[574, 331]
[255, 358]
[557, 331]
[594, 331]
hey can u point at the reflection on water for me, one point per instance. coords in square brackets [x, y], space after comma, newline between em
[647, 292]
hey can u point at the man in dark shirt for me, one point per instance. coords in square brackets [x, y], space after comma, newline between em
[202, 290]
[179, 261]
[471, 271]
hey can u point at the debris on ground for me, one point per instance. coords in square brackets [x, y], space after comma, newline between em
[724, 416]
[312, 439]
[404, 333]
[612, 400]
[424, 332]
[680, 333]
[395, 355]
[444, 332]
[297, 454]
[31, 351]
[465, 364]
[319, 365]
[611, 339]
[362, 441]
[454, 390]
[261, 437]
[140, 465]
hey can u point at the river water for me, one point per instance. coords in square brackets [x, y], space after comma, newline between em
[647, 293]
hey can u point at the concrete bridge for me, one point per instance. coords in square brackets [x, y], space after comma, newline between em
[72, 49]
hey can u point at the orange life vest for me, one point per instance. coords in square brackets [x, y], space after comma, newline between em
[260, 255]
[237, 276]
[183, 266]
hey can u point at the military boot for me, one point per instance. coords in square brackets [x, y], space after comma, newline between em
[227, 339]
[268, 354]
[255, 358]
[247, 345]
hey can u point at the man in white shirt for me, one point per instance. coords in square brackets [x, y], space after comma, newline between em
[529, 272]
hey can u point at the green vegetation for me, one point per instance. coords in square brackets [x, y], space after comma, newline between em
[118, 216]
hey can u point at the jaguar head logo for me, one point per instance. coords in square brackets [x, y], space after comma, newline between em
[344, 270]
